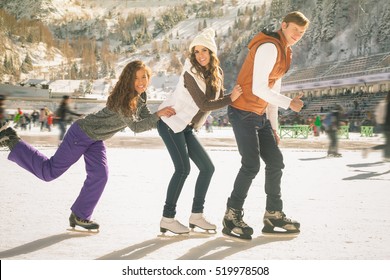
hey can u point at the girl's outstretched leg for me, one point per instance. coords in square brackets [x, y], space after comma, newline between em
[74, 145]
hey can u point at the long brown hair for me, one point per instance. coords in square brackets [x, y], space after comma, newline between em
[212, 75]
[123, 98]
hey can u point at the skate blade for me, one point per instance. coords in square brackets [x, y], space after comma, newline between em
[199, 230]
[174, 235]
[281, 233]
[84, 231]
[201, 234]
[236, 237]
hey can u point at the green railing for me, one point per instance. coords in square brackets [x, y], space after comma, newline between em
[294, 131]
[366, 131]
[302, 131]
[344, 131]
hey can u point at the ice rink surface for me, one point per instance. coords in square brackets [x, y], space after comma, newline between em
[343, 205]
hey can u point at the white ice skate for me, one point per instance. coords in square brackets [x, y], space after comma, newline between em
[198, 220]
[173, 225]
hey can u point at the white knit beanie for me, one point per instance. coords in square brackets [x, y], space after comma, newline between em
[206, 38]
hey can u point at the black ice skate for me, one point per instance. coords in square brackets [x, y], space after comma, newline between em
[234, 226]
[89, 226]
[278, 220]
[3, 126]
[8, 137]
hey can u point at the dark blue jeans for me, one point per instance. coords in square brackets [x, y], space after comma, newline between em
[255, 140]
[182, 147]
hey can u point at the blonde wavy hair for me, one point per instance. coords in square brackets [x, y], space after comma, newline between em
[123, 98]
[211, 75]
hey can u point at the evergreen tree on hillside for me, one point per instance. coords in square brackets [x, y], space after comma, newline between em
[315, 32]
[383, 31]
[26, 64]
[329, 29]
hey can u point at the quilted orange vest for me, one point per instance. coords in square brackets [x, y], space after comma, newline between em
[248, 101]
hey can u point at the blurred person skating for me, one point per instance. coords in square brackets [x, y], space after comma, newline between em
[25, 122]
[43, 114]
[382, 117]
[3, 118]
[332, 124]
[317, 126]
[18, 118]
[50, 120]
[34, 117]
[254, 118]
[125, 107]
[199, 91]
[63, 113]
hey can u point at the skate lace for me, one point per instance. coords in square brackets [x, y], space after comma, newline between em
[238, 219]
[84, 221]
[284, 218]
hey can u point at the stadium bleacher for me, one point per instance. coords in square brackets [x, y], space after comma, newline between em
[358, 106]
[353, 66]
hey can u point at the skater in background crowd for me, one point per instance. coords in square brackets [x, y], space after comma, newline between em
[2, 110]
[34, 117]
[382, 117]
[254, 118]
[43, 114]
[317, 126]
[18, 118]
[25, 122]
[332, 124]
[50, 119]
[62, 115]
[199, 90]
[126, 107]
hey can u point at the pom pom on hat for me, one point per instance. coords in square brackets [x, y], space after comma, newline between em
[206, 38]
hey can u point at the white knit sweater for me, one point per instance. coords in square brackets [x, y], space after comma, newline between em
[182, 101]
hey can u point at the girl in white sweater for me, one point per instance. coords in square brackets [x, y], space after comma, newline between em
[199, 91]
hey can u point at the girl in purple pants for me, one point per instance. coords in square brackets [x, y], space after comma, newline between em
[126, 107]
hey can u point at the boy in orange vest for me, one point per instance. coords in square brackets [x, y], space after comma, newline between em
[254, 120]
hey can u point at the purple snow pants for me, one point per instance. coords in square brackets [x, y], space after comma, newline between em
[75, 144]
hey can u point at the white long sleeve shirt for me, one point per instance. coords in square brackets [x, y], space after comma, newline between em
[265, 60]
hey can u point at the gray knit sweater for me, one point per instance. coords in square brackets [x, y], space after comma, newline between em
[103, 124]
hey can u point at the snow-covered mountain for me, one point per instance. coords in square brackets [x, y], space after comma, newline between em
[158, 32]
